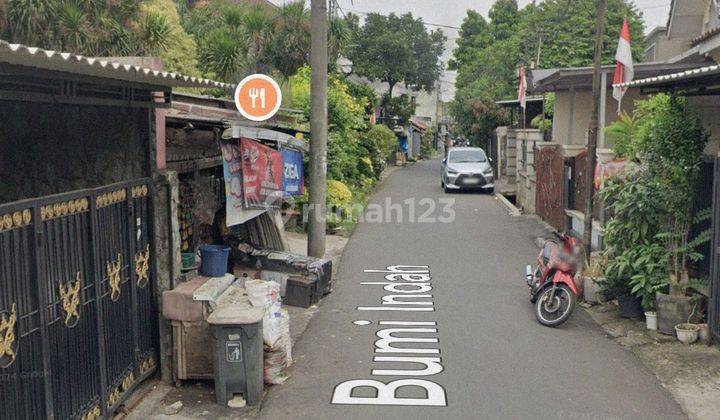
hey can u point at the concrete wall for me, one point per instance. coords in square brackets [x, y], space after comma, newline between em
[660, 47]
[525, 165]
[571, 127]
[686, 19]
[53, 148]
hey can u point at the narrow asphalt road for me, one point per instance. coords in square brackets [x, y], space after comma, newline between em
[497, 361]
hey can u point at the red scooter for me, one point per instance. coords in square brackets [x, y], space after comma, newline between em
[553, 289]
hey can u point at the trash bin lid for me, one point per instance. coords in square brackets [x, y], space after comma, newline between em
[236, 314]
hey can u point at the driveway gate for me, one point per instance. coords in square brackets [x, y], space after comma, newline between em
[78, 317]
[550, 187]
[714, 304]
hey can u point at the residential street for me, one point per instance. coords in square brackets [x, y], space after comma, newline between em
[498, 362]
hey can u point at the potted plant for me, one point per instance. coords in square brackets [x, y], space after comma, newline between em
[687, 333]
[636, 268]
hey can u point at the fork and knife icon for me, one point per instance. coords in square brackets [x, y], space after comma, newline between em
[254, 94]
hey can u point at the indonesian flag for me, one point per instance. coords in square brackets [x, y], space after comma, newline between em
[522, 87]
[624, 68]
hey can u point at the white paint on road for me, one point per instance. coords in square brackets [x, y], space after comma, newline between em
[409, 282]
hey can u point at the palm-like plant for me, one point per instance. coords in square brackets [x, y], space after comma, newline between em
[290, 44]
[256, 28]
[220, 54]
[74, 29]
[155, 34]
[87, 27]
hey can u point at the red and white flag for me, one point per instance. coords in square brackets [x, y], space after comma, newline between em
[624, 68]
[522, 87]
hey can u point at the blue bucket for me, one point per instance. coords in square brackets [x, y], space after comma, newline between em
[214, 259]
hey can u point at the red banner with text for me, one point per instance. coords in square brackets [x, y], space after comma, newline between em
[262, 170]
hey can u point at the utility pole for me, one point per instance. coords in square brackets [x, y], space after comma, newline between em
[593, 132]
[318, 128]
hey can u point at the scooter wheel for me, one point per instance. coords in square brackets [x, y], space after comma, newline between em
[555, 311]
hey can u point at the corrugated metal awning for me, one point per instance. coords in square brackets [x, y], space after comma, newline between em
[672, 79]
[23, 55]
[259, 133]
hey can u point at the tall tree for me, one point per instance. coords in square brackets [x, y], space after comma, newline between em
[568, 31]
[396, 49]
[504, 18]
[474, 36]
[290, 42]
[488, 54]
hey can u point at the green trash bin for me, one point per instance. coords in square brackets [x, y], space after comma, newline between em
[238, 348]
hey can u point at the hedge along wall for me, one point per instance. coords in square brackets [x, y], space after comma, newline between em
[52, 148]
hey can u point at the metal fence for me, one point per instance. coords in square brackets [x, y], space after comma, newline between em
[714, 305]
[78, 313]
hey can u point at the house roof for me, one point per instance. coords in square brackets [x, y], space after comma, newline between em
[701, 78]
[550, 80]
[654, 31]
[39, 58]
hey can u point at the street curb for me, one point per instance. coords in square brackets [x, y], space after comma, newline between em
[514, 211]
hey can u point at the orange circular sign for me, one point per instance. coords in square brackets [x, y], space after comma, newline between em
[258, 97]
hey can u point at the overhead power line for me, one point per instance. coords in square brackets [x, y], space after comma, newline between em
[439, 25]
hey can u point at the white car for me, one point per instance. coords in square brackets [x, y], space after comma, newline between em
[467, 168]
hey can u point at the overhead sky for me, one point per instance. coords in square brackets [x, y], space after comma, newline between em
[452, 12]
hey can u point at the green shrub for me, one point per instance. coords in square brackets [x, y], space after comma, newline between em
[338, 194]
[648, 235]
[381, 143]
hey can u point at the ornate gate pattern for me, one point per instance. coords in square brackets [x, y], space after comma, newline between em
[77, 306]
[550, 187]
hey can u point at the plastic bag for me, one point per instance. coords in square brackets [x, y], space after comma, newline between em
[278, 357]
[264, 294]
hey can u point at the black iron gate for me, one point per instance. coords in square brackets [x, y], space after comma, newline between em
[714, 305]
[78, 316]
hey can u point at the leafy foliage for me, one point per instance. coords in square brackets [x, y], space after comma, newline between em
[545, 124]
[380, 144]
[649, 232]
[338, 194]
[488, 53]
[100, 28]
[166, 38]
[621, 132]
[396, 49]
[568, 31]
[356, 153]
[397, 110]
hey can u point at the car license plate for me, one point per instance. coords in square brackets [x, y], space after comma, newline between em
[471, 181]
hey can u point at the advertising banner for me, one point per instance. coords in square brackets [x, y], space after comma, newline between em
[262, 175]
[603, 171]
[292, 172]
[232, 171]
